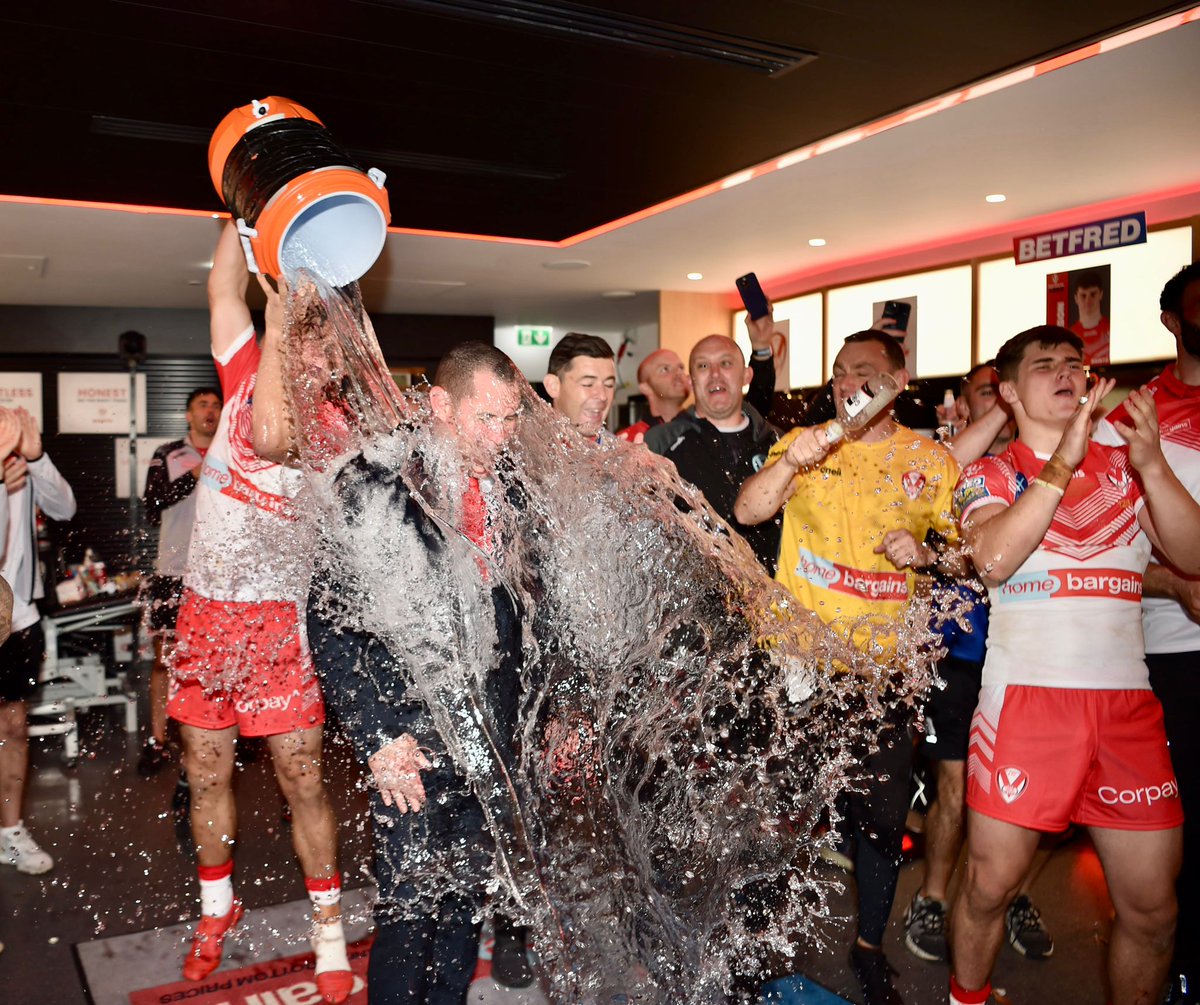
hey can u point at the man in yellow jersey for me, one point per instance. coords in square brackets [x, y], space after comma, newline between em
[856, 514]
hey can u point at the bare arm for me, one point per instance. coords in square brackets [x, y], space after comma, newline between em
[765, 492]
[972, 443]
[273, 436]
[229, 316]
[1170, 516]
[1000, 539]
[1161, 581]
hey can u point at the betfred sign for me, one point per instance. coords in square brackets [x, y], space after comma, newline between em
[1103, 235]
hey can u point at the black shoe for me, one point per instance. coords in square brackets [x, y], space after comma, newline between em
[510, 956]
[153, 759]
[1026, 931]
[874, 973]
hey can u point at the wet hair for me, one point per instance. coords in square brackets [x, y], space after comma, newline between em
[576, 344]
[1089, 281]
[1172, 294]
[1008, 359]
[892, 348]
[456, 370]
[201, 391]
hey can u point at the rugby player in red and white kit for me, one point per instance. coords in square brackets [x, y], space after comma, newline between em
[1067, 729]
[241, 663]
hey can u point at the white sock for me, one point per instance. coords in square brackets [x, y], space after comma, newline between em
[216, 896]
[329, 945]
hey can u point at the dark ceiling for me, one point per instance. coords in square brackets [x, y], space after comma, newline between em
[523, 118]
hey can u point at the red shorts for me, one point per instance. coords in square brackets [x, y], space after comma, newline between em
[243, 664]
[1045, 757]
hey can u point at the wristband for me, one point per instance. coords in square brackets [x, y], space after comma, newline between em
[1056, 472]
[1047, 485]
[766, 353]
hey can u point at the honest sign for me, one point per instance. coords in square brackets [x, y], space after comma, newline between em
[1099, 236]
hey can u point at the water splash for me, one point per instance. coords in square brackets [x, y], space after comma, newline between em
[684, 725]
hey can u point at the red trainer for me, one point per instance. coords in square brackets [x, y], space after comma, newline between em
[335, 985]
[208, 942]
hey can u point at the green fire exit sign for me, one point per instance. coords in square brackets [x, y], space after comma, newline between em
[533, 336]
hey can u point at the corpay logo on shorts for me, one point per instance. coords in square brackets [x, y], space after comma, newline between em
[256, 706]
[1012, 783]
[1146, 795]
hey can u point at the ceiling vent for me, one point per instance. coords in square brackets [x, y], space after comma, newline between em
[584, 22]
[140, 129]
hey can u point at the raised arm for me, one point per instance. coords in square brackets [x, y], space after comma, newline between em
[1171, 515]
[229, 316]
[1001, 538]
[762, 385]
[765, 492]
[273, 434]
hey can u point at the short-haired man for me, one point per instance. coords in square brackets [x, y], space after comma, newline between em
[240, 663]
[721, 441]
[170, 504]
[856, 514]
[31, 483]
[948, 714]
[581, 380]
[666, 384]
[1171, 603]
[422, 805]
[1091, 323]
[1067, 729]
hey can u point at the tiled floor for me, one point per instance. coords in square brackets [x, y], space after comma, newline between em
[120, 869]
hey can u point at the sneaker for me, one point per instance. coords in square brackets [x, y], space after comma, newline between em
[874, 973]
[209, 941]
[925, 928]
[335, 979]
[1026, 933]
[18, 848]
[153, 758]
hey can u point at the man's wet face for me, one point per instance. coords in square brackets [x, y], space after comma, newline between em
[585, 392]
[486, 420]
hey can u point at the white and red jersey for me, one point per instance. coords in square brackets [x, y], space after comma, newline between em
[244, 545]
[1168, 628]
[1070, 616]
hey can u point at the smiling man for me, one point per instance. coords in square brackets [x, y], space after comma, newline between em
[1067, 729]
[721, 441]
[582, 380]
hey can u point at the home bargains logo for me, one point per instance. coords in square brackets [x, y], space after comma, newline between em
[1110, 584]
[885, 586]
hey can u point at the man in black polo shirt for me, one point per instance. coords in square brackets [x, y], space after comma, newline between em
[722, 440]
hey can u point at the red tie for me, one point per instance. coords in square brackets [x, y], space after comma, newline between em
[474, 515]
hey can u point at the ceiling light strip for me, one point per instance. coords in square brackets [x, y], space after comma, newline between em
[786, 160]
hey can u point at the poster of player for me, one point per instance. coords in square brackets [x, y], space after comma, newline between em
[1079, 301]
[904, 325]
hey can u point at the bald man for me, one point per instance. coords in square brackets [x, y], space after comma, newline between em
[723, 439]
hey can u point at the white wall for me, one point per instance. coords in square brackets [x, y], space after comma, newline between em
[1012, 297]
[805, 330]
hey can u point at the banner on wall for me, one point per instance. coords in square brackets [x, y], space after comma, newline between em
[1079, 300]
[1116, 232]
[98, 403]
[882, 308]
[22, 390]
[146, 445]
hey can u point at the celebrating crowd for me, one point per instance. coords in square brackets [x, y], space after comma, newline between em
[1056, 540]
